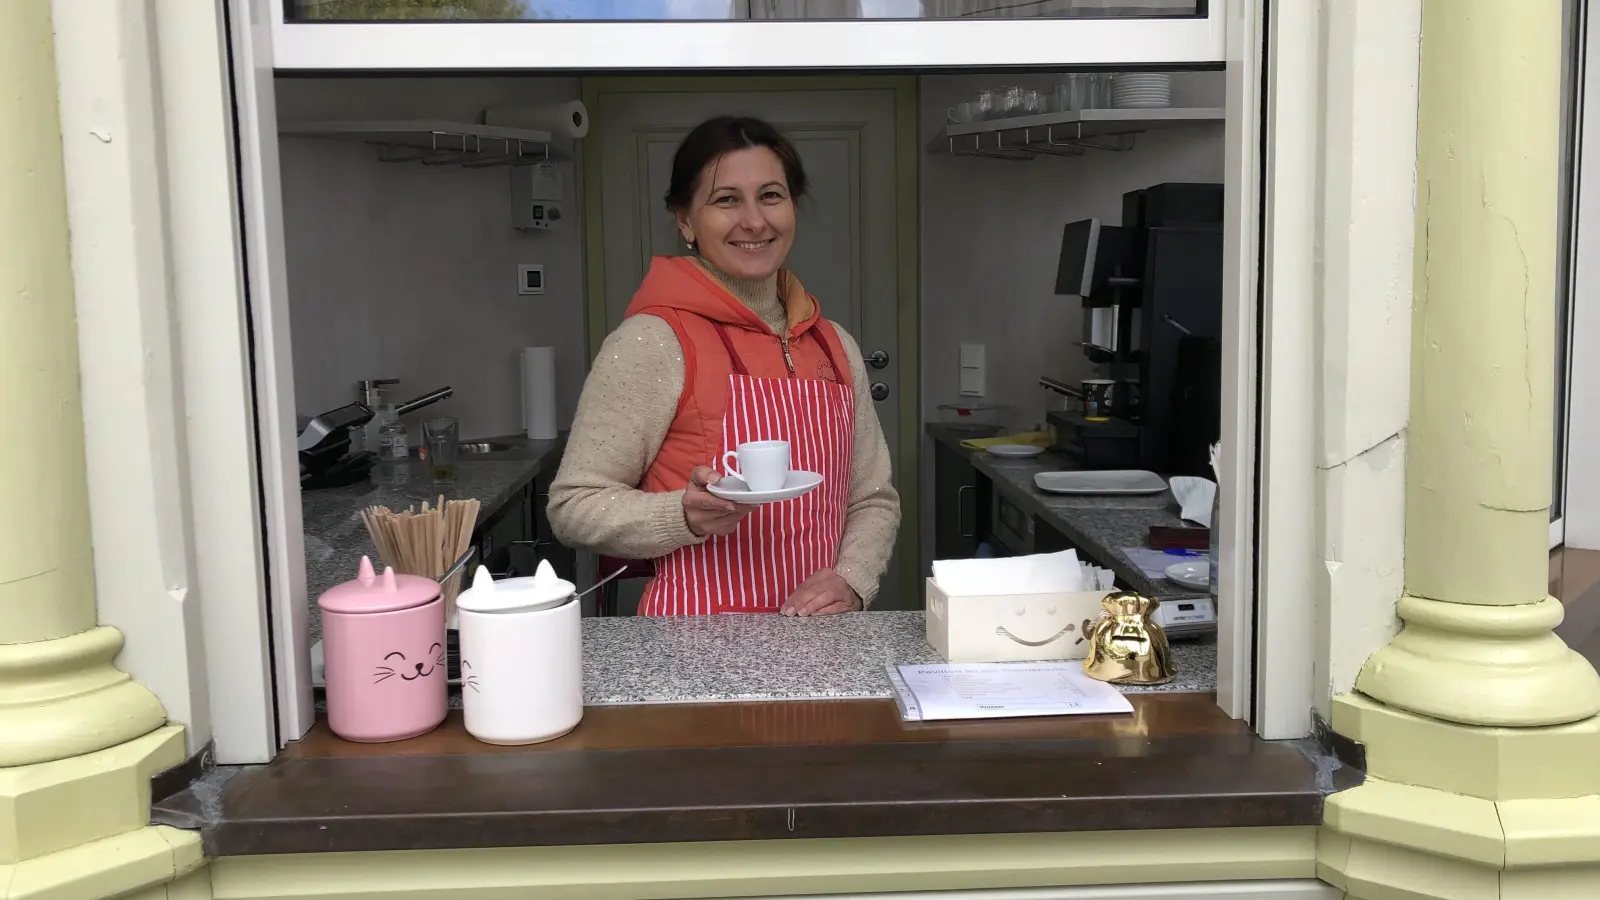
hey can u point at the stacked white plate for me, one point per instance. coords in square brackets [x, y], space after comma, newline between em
[1142, 90]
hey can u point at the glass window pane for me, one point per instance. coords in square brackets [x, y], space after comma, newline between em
[719, 10]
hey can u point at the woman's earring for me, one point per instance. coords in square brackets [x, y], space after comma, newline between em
[694, 246]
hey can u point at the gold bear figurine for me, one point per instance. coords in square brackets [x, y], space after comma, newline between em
[1126, 646]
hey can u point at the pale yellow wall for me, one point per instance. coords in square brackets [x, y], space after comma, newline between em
[46, 568]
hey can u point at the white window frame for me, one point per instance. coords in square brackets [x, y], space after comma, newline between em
[262, 41]
[1579, 525]
[744, 44]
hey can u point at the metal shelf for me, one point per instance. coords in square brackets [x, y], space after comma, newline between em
[441, 143]
[1021, 138]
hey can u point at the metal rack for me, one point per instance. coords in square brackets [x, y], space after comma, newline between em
[441, 143]
[1071, 133]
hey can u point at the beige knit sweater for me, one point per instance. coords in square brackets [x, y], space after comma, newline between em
[628, 403]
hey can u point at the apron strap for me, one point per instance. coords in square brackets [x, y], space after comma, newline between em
[733, 355]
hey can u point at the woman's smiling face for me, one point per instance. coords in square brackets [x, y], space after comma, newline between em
[742, 216]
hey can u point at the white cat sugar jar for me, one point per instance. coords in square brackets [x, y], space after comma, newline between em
[521, 657]
[383, 644]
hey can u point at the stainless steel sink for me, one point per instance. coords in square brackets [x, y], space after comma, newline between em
[478, 448]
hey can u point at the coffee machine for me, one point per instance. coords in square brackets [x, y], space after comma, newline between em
[1151, 290]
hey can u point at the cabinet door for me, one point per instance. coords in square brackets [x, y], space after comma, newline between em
[955, 505]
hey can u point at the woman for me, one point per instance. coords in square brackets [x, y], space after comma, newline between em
[719, 348]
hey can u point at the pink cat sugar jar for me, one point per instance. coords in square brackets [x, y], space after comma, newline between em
[384, 657]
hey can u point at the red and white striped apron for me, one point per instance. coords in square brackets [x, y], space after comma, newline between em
[778, 545]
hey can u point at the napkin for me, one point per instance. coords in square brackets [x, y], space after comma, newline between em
[1040, 573]
[1026, 439]
[1194, 496]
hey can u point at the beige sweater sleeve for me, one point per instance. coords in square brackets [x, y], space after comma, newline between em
[627, 406]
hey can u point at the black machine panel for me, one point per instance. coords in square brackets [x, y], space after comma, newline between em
[1162, 269]
[1182, 301]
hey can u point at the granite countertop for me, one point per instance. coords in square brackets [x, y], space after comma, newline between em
[639, 659]
[336, 538]
[633, 660]
[1099, 525]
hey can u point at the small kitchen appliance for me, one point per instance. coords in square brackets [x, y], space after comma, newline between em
[328, 454]
[1151, 290]
[383, 646]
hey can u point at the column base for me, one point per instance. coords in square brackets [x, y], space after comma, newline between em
[1458, 812]
[1483, 665]
[63, 698]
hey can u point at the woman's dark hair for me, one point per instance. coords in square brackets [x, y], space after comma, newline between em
[712, 139]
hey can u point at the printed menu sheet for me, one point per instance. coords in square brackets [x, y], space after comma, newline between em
[1002, 690]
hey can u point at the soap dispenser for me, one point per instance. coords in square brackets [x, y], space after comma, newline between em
[373, 398]
[521, 657]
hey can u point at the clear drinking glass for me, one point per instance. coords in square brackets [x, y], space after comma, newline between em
[1099, 92]
[986, 105]
[1011, 101]
[443, 436]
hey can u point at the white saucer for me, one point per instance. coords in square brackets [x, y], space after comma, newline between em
[732, 487]
[1015, 451]
[1195, 573]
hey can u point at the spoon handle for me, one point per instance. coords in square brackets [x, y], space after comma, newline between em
[602, 582]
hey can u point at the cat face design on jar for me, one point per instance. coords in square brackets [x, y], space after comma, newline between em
[410, 667]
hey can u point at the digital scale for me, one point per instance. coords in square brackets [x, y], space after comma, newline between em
[1187, 617]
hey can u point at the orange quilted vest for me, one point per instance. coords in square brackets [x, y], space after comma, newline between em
[680, 292]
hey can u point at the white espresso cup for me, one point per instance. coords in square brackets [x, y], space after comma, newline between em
[762, 465]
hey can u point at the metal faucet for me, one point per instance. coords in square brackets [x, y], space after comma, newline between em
[428, 399]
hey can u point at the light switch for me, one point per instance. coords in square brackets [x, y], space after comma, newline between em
[972, 370]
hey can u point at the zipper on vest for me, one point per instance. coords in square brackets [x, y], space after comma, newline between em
[787, 359]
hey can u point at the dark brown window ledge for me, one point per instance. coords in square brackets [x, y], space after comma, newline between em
[759, 771]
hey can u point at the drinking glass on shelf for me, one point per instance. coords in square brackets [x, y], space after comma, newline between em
[986, 105]
[1099, 92]
[1011, 101]
[1074, 92]
[1033, 103]
[443, 437]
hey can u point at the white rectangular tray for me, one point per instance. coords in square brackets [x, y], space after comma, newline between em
[1131, 481]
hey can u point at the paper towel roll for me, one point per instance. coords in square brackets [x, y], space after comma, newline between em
[539, 392]
[570, 118]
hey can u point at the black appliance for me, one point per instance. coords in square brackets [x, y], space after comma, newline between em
[324, 441]
[1151, 290]
[324, 445]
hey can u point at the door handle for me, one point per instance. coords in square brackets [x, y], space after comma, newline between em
[878, 359]
[880, 391]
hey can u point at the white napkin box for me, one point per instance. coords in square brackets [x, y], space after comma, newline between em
[1011, 628]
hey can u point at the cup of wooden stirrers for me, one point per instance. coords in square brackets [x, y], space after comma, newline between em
[425, 542]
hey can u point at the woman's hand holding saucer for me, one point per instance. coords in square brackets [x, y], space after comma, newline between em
[707, 514]
[825, 593]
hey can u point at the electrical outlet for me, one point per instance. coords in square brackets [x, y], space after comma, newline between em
[530, 279]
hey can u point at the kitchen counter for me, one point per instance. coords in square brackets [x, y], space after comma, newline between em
[640, 660]
[651, 764]
[1099, 526]
[336, 538]
[707, 659]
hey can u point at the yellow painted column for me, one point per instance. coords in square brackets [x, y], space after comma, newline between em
[1478, 646]
[60, 696]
